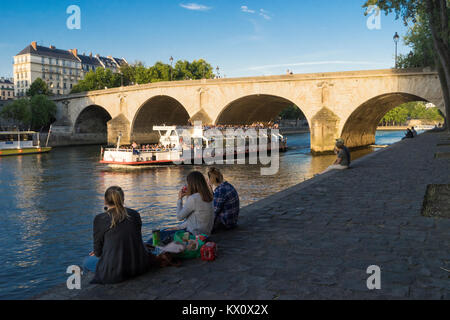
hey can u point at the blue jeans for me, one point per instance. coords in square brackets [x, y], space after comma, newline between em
[90, 264]
[166, 236]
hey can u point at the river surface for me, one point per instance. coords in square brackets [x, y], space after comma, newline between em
[49, 201]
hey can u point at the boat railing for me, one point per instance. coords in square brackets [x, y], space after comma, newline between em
[138, 150]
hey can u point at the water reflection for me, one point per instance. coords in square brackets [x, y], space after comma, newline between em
[49, 202]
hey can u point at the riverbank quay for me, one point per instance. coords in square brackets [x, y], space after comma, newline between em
[316, 240]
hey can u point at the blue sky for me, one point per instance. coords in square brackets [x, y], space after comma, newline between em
[243, 38]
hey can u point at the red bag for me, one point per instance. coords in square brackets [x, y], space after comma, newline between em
[209, 251]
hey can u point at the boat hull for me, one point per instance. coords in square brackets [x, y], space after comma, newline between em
[167, 162]
[137, 164]
[23, 151]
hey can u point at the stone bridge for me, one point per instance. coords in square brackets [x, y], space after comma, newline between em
[341, 104]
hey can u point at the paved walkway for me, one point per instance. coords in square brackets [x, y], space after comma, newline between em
[317, 239]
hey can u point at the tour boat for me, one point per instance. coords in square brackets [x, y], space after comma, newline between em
[174, 150]
[16, 143]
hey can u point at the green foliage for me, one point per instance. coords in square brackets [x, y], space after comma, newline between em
[38, 87]
[410, 111]
[198, 69]
[292, 113]
[18, 111]
[35, 113]
[98, 80]
[43, 112]
[138, 73]
[422, 53]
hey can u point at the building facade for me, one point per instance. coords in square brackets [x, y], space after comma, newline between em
[60, 69]
[6, 89]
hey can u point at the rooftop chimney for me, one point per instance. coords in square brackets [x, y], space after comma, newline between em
[90, 54]
[52, 47]
[74, 52]
[34, 45]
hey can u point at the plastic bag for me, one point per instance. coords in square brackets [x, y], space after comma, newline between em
[193, 244]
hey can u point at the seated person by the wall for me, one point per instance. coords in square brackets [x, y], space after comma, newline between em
[343, 159]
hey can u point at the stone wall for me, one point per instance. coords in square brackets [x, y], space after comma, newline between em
[70, 139]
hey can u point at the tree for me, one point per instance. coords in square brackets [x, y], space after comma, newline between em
[138, 73]
[19, 112]
[43, 112]
[196, 70]
[38, 87]
[421, 43]
[98, 80]
[292, 113]
[435, 16]
[411, 110]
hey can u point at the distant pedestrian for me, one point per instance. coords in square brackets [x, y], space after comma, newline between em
[409, 134]
[414, 132]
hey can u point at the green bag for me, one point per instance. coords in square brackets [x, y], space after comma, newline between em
[178, 238]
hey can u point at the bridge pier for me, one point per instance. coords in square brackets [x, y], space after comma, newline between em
[324, 131]
[120, 125]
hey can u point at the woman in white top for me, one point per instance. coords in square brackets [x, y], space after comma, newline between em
[197, 212]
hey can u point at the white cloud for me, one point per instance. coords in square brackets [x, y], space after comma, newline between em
[246, 9]
[195, 7]
[265, 14]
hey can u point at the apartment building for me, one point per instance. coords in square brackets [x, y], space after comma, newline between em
[60, 69]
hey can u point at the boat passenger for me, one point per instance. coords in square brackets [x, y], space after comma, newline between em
[119, 253]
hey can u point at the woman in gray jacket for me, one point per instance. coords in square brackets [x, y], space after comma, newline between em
[198, 210]
[195, 208]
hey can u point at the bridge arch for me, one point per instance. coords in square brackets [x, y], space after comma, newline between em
[254, 108]
[158, 110]
[92, 119]
[360, 128]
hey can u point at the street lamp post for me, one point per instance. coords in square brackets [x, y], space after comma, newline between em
[171, 68]
[396, 40]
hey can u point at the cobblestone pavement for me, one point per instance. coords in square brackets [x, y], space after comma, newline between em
[317, 239]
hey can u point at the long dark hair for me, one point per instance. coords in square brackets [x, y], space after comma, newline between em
[196, 183]
[115, 196]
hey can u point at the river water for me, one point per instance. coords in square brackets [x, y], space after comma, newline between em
[48, 203]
